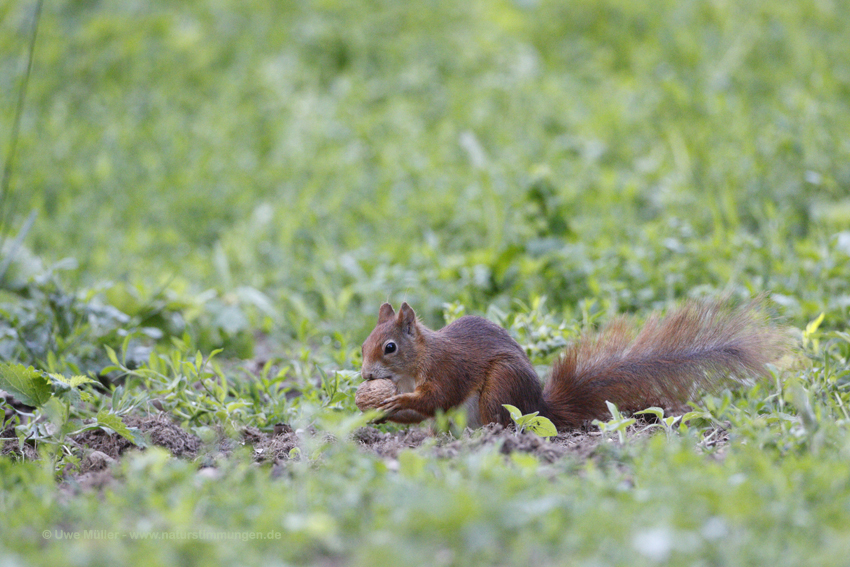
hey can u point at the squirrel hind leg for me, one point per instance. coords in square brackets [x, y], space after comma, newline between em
[509, 382]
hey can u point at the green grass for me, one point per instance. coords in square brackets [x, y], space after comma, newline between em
[673, 505]
[265, 174]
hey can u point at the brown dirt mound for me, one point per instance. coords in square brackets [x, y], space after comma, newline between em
[12, 447]
[388, 445]
[272, 448]
[99, 450]
[158, 429]
[277, 448]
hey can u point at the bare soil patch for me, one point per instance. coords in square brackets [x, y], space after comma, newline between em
[99, 450]
[159, 430]
[577, 443]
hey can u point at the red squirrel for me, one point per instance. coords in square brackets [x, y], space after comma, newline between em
[475, 362]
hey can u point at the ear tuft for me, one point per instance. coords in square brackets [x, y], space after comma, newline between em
[385, 313]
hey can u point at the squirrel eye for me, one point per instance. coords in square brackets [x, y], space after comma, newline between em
[390, 347]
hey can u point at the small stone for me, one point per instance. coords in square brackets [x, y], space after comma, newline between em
[209, 473]
[100, 460]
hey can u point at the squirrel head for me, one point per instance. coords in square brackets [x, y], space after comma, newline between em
[391, 350]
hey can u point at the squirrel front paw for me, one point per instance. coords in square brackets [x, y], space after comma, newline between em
[392, 405]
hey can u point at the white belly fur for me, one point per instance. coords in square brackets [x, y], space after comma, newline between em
[473, 415]
[405, 385]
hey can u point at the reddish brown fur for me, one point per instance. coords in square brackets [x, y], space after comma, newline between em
[702, 345]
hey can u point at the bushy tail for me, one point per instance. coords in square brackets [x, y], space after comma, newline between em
[701, 345]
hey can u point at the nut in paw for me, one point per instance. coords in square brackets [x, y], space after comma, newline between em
[371, 393]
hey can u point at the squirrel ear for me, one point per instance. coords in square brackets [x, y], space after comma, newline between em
[385, 313]
[407, 319]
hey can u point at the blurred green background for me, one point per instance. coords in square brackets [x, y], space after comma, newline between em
[262, 175]
[333, 155]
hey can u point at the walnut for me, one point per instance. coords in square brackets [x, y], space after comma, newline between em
[372, 392]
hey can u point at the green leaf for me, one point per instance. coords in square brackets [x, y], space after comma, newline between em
[539, 425]
[813, 325]
[55, 411]
[117, 393]
[514, 411]
[670, 421]
[543, 427]
[52, 362]
[694, 415]
[657, 412]
[615, 413]
[25, 383]
[113, 422]
[125, 346]
[73, 381]
[112, 357]
[527, 418]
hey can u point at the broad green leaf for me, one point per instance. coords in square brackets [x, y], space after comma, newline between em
[543, 427]
[527, 418]
[73, 381]
[615, 413]
[113, 422]
[112, 356]
[694, 415]
[671, 420]
[25, 383]
[514, 411]
[813, 325]
[657, 412]
[56, 411]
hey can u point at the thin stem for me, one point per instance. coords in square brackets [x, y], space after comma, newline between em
[8, 166]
